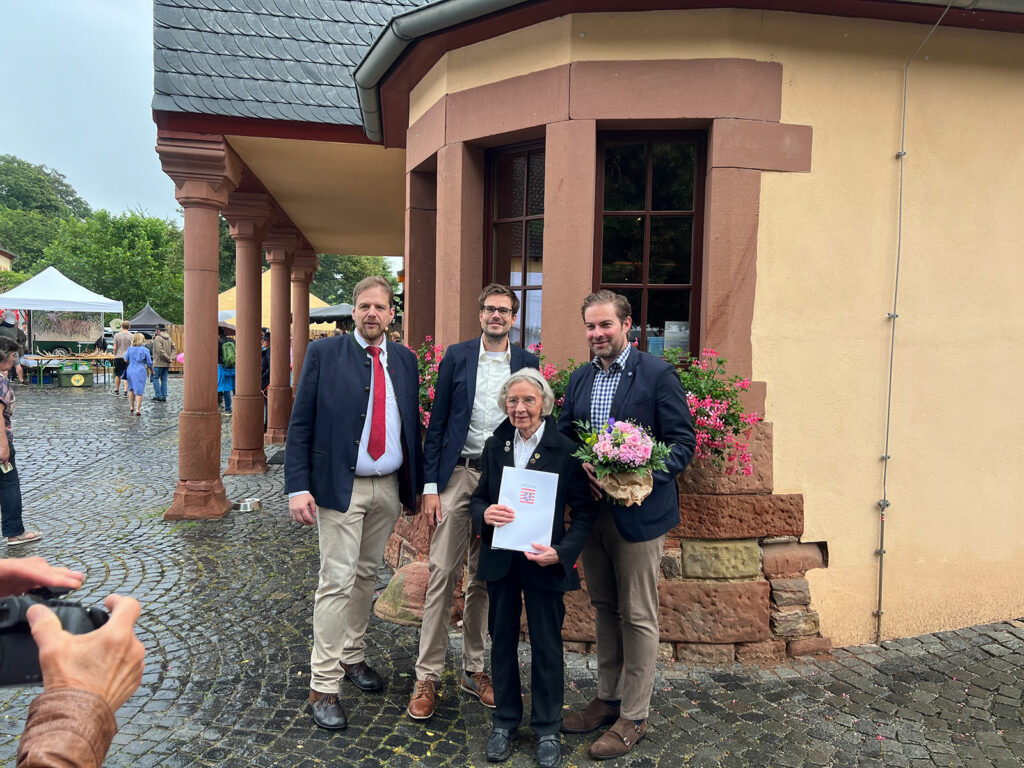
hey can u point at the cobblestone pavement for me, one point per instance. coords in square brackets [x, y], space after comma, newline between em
[226, 623]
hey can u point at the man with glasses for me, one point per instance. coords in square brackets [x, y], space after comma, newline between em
[464, 414]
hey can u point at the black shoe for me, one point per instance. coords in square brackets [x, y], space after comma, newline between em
[327, 711]
[499, 746]
[549, 751]
[363, 677]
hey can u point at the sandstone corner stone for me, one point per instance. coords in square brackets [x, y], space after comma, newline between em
[788, 592]
[794, 623]
[766, 651]
[706, 654]
[808, 646]
[720, 559]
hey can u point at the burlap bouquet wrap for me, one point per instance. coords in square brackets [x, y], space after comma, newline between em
[627, 488]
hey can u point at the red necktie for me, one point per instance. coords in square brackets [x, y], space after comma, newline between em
[378, 429]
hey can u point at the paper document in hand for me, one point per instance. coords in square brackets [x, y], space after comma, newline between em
[531, 494]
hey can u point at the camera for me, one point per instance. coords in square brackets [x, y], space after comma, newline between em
[19, 655]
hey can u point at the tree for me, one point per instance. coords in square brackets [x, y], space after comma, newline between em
[337, 275]
[10, 279]
[130, 257]
[28, 187]
[27, 233]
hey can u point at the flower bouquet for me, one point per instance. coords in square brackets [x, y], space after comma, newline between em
[624, 456]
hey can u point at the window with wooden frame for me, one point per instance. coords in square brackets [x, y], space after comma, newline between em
[650, 201]
[514, 236]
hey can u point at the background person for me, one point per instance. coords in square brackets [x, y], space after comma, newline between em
[464, 414]
[163, 355]
[13, 528]
[622, 556]
[139, 368]
[225, 369]
[10, 329]
[122, 341]
[529, 439]
[353, 459]
[86, 678]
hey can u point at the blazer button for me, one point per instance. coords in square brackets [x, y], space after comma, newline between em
[356, 442]
[362, 415]
[367, 364]
[366, 389]
[351, 469]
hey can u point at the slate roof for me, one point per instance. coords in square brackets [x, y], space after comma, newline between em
[269, 59]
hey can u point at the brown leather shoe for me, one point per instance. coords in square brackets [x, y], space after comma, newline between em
[421, 705]
[363, 676]
[479, 684]
[327, 710]
[590, 718]
[618, 740]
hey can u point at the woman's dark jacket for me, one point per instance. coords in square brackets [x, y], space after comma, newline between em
[552, 454]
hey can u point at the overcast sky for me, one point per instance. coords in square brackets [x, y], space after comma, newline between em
[76, 84]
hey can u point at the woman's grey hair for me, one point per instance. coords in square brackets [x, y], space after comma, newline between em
[531, 375]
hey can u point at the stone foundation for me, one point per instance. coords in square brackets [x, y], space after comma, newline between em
[732, 582]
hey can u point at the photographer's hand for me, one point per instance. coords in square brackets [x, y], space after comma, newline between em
[107, 661]
[20, 574]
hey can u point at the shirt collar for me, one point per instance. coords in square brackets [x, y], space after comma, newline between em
[533, 439]
[364, 344]
[483, 352]
[619, 361]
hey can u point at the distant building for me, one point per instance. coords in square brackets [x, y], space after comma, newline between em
[6, 259]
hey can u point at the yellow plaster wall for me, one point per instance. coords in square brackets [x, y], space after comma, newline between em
[826, 261]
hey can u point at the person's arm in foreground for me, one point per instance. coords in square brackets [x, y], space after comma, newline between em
[85, 679]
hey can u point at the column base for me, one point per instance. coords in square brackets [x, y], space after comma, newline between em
[275, 436]
[246, 461]
[198, 500]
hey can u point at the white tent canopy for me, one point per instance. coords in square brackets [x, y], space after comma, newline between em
[50, 290]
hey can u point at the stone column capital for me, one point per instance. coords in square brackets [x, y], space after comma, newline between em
[280, 245]
[248, 215]
[304, 264]
[204, 171]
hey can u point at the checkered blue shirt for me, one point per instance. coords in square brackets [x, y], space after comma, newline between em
[605, 384]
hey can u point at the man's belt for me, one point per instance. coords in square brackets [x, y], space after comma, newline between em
[469, 463]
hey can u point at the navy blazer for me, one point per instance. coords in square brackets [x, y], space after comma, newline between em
[555, 455]
[650, 394]
[328, 416]
[453, 407]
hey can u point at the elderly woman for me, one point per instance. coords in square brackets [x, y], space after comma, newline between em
[140, 367]
[10, 486]
[529, 439]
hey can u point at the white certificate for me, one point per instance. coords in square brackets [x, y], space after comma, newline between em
[531, 494]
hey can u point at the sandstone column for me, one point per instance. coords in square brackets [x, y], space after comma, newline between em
[304, 265]
[420, 250]
[569, 209]
[204, 174]
[248, 215]
[460, 240]
[280, 245]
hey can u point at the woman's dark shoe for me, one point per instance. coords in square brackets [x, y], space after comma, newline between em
[549, 751]
[499, 746]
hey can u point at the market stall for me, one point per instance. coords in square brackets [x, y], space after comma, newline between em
[64, 321]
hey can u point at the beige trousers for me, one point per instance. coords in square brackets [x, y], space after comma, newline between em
[452, 540]
[622, 578]
[351, 546]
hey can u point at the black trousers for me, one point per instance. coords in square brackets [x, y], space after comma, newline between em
[545, 611]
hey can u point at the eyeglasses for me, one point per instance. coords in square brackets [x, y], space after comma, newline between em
[513, 402]
[487, 309]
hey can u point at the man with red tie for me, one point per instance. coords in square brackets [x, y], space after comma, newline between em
[353, 459]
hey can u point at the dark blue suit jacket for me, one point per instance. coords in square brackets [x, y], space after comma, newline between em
[650, 394]
[328, 415]
[554, 454]
[453, 407]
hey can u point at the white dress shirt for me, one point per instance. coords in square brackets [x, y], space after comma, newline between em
[524, 449]
[391, 460]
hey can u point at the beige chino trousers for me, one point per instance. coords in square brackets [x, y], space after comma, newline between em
[622, 578]
[452, 540]
[351, 546]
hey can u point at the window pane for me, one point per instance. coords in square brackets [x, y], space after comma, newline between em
[671, 249]
[635, 297]
[534, 251]
[668, 320]
[530, 314]
[508, 252]
[535, 190]
[509, 185]
[622, 250]
[672, 185]
[625, 177]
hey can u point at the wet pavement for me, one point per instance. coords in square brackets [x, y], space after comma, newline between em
[227, 609]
